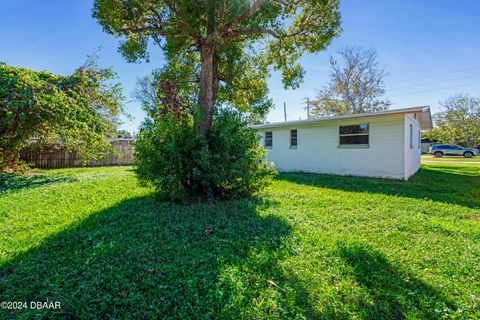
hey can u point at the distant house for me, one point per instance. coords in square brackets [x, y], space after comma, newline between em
[382, 144]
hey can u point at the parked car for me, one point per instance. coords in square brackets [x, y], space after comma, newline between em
[439, 150]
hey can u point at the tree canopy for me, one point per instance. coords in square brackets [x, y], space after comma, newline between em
[222, 50]
[459, 121]
[79, 110]
[356, 84]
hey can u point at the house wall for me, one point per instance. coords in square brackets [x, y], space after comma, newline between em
[318, 148]
[412, 153]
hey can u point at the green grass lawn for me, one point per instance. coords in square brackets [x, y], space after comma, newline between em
[450, 159]
[312, 246]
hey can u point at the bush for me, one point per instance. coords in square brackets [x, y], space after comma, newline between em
[174, 158]
[78, 111]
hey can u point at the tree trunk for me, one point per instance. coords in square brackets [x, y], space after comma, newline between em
[208, 87]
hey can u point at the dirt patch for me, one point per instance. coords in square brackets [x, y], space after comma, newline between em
[472, 217]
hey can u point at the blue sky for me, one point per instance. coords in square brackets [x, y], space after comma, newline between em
[431, 49]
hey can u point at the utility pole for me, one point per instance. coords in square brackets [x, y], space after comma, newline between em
[307, 107]
[285, 111]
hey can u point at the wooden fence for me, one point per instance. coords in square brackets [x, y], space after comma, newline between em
[57, 157]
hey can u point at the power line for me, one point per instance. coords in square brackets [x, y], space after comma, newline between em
[437, 74]
[433, 83]
[437, 89]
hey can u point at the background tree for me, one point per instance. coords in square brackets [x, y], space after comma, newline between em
[459, 122]
[435, 135]
[229, 43]
[356, 84]
[78, 111]
[122, 134]
[167, 90]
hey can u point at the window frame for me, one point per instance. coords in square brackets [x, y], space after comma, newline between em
[353, 145]
[293, 146]
[419, 140]
[270, 146]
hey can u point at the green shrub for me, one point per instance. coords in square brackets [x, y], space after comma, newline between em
[182, 165]
[78, 111]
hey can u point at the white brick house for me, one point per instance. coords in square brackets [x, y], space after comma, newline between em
[382, 144]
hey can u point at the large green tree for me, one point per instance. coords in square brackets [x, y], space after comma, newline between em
[80, 110]
[459, 121]
[223, 48]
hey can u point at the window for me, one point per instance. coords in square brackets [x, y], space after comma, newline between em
[268, 139]
[354, 135]
[419, 139]
[293, 138]
[411, 136]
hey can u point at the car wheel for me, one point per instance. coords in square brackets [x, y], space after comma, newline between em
[468, 154]
[438, 154]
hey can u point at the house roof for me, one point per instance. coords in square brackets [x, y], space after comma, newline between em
[423, 116]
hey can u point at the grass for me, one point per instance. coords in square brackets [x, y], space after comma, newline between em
[312, 246]
[450, 159]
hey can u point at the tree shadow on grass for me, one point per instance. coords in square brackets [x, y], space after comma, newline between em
[437, 184]
[144, 260]
[393, 293]
[15, 181]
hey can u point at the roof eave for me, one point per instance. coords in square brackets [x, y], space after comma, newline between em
[420, 110]
[425, 120]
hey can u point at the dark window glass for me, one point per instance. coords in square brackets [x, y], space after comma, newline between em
[411, 136]
[268, 139]
[355, 129]
[293, 138]
[360, 139]
[354, 134]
